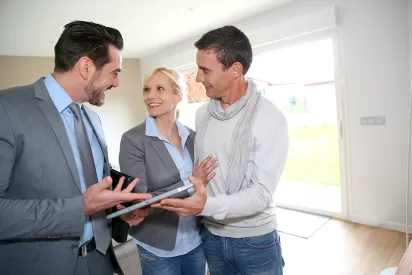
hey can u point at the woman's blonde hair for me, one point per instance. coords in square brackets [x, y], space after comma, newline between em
[173, 76]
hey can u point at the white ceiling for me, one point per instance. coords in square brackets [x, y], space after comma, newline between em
[32, 27]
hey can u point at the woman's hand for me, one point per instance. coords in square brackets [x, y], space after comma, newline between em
[206, 170]
[134, 217]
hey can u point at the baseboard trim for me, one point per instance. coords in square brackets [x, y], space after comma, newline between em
[400, 227]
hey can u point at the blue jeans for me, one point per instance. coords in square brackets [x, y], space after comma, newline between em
[192, 263]
[261, 255]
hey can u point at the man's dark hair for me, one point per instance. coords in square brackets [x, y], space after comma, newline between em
[81, 38]
[229, 44]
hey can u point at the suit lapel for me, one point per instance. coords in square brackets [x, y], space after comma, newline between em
[161, 150]
[98, 131]
[190, 144]
[163, 153]
[49, 110]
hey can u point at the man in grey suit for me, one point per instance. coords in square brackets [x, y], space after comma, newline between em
[54, 183]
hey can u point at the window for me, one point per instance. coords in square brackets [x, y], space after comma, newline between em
[194, 96]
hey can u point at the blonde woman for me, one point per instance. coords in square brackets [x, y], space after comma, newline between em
[160, 153]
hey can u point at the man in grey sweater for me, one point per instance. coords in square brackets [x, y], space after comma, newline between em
[249, 136]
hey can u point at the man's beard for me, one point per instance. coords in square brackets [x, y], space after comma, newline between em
[96, 94]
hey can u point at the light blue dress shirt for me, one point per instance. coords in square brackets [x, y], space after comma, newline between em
[188, 237]
[62, 101]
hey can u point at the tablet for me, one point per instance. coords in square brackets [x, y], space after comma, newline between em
[150, 201]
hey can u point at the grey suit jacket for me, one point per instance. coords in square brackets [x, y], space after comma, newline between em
[42, 208]
[148, 159]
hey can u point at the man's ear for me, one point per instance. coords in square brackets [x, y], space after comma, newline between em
[237, 70]
[86, 67]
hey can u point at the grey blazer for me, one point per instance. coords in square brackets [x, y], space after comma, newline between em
[42, 208]
[148, 159]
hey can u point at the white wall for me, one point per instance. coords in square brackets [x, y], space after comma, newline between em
[375, 55]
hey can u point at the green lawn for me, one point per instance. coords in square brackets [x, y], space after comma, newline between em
[313, 155]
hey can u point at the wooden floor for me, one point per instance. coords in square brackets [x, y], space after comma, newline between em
[343, 248]
[337, 248]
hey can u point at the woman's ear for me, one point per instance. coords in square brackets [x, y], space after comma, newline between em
[180, 97]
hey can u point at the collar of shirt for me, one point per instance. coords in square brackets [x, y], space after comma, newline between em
[58, 95]
[152, 131]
